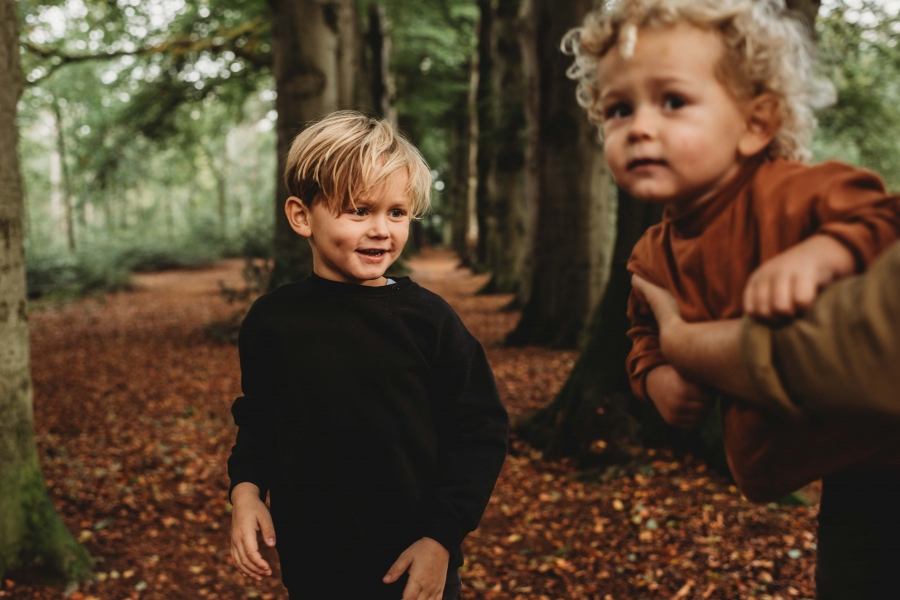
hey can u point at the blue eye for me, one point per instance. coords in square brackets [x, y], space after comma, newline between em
[673, 102]
[617, 111]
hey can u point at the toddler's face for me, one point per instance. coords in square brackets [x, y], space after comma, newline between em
[358, 245]
[671, 128]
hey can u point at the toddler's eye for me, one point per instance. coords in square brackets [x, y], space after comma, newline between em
[397, 213]
[673, 102]
[358, 212]
[617, 111]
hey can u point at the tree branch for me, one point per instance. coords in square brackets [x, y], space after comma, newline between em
[219, 42]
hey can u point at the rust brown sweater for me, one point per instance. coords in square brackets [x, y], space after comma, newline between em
[704, 258]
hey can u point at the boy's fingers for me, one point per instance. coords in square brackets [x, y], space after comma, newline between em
[412, 591]
[783, 295]
[267, 529]
[252, 559]
[398, 568]
[805, 292]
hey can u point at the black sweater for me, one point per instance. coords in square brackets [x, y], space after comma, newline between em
[371, 416]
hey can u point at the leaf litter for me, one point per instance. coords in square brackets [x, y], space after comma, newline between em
[133, 427]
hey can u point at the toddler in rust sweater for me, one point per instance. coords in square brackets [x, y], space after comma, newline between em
[706, 106]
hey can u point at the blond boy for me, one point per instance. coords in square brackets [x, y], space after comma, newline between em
[370, 413]
[706, 106]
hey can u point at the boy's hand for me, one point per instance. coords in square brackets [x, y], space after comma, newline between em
[427, 563]
[249, 516]
[680, 402]
[788, 283]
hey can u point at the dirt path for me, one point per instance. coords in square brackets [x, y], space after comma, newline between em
[132, 416]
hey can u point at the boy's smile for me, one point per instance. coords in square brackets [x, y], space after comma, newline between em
[672, 131]
[359, 244]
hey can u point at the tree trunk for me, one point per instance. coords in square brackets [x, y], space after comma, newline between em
[379, 41]
[470, 241]
[485, 120]
[567, 172]
[592, 416]
[30, 527]
[457, 185]
[316, 63]
[64, 171]
[504, 223]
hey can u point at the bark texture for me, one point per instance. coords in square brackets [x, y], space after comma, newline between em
[317, 57]
[593, 415]
[568, 181]
[504, 200]
[30, 528]
[380, 44]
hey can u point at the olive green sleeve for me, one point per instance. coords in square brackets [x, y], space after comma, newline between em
[841, 358]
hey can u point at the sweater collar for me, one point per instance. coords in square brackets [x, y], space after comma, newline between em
[693, 221]
[341, 287]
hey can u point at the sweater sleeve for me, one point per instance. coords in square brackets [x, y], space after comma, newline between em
[853, 207]
[254, 453]
[645, 354]
[473, 428]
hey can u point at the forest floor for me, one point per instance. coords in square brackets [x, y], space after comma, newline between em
[132, 416]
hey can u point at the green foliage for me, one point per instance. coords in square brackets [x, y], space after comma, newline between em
[859, 52]
[60, 276]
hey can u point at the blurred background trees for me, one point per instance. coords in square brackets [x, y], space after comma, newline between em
[152, 135]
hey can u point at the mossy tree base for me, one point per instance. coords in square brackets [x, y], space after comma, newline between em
[32, 534]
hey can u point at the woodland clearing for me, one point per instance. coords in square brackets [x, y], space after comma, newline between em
[132, 421]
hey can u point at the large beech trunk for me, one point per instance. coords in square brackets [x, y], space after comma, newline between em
[504, 177]
[317, 53]
[30, 528]
[568, 181]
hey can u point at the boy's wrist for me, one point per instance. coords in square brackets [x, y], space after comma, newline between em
[244, 490]
[840, 259]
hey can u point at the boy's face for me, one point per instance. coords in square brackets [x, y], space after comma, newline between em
[672, 130]
[358, 245]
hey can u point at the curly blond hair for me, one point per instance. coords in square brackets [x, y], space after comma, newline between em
[341, 157]
[766, 49]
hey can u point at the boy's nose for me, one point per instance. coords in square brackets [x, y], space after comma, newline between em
[643, 125]
[378, 226]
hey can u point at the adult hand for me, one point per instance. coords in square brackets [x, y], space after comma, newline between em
[662, 303]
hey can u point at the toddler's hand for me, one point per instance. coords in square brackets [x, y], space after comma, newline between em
[788, 283]
[680, 402]
[249, 516]
[427, 563]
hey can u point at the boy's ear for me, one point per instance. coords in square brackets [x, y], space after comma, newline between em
[763, 120]
[298, 216]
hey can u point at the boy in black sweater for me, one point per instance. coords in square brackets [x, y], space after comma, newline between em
[370, 414]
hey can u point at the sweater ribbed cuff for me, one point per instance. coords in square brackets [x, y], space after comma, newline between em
[446, 532]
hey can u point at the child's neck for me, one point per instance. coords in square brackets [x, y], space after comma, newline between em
[747, 165]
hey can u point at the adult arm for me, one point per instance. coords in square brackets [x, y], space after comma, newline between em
[707, 352]
[841, 357]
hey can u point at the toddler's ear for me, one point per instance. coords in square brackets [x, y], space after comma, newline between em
[763, 120]
[298, 216]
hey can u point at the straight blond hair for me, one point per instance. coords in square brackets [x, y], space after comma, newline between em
[341, 157]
